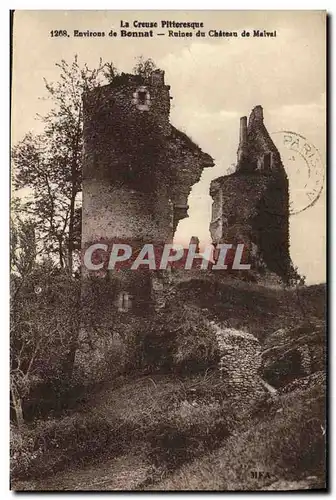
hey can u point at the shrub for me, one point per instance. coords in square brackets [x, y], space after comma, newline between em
[23, 452]
[44, 328]
[179, 339]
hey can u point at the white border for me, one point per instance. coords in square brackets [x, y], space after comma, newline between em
[4, 179]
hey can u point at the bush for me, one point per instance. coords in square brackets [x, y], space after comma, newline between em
[180, 339]
[44, 328]
[173, 419]
[23, 452]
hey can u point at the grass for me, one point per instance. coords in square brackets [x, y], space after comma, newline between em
[288, 443]
[183, 422]
[252, 307]
[150, 413]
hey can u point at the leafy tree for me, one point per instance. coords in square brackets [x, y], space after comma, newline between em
[46, 234]
[50, 164]
[144, 67]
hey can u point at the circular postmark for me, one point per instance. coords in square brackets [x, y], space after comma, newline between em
[304, 168]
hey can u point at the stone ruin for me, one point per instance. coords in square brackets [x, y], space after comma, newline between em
[138, 171]
[240, 364]
[251, 205]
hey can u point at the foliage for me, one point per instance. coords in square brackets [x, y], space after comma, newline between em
[179, 338]
[247, 306]
[164, 417]
[295, 278]
[288, 442]
[187, 430]
[144, 67]
[53, 444]
[44, 318]
[50, 164]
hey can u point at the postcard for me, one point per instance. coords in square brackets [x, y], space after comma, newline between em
[168, 251]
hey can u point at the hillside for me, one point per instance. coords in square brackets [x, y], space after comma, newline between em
[175, 425]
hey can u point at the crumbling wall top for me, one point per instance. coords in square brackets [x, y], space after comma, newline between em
[256, 150]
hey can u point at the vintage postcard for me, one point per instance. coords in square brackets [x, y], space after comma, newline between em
[168, 251]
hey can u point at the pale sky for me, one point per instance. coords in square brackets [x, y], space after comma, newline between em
[213, 82]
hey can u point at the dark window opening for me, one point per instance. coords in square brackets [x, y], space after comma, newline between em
[142, 96]
[124, 302]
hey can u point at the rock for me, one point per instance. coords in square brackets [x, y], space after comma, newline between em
[317, 378]
[292, 354]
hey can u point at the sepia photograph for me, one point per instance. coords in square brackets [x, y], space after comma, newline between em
[168, 251]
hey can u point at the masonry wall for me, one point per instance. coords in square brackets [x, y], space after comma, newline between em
[138, 171]
[187, 162]
[251, 206]
[240, 364]
[253, 209]
[124, 161]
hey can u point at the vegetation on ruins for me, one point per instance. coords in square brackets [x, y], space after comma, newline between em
[158, 398]
[49, 164]
[44, 315]
[46, 233]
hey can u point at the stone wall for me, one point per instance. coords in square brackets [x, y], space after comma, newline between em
[240, 364]
[123, 195]
[291, 353]
[251, 206]
[138, 171]
[240, 359]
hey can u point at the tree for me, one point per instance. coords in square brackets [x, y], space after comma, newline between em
[50, 164]
[44, 312]
[46, 233]
[295, 279]
[144, 67]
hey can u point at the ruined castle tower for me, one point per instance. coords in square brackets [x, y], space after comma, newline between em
[125, 129]
[138, 171]
[250, 206]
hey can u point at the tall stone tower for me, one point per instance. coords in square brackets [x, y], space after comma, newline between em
[251, 206]
[138, 171]
[126, 125]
